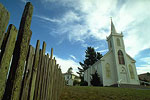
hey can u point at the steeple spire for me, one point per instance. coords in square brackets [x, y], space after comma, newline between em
[113, 30]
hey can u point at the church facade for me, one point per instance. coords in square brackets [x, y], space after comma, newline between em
[116, 66]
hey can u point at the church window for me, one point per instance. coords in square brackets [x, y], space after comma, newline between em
[121, 57]
[108, 73]
[110, 44]
[123, 70]
[131, 72]
[68, 77]
[118, 42]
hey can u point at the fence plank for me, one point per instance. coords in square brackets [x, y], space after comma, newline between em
[48, 80]
[59, 82]
[49, 74]
[6, 54]
[42, 79]
[34, 71]
[27, 74]
[51, 80]
[43, 85]
[4, 19]
[22, 45]
[56, 83]
[39, 73]
[19, 55]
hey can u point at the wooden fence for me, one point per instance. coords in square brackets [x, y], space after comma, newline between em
[26, 73]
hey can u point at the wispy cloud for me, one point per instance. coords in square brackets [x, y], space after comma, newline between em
[47, 18]
[73, 57]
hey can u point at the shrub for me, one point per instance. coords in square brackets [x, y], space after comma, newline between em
[84, 83]
[95, 81]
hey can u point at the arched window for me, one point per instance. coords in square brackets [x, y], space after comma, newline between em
[108, 73]
[121, 57]
[118, 42]
[131, 72]
[110, 44]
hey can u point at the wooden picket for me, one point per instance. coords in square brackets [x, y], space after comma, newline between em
[26, 73]
[6, 55]
[4, 19]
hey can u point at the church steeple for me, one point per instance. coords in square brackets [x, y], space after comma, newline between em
[113, 30]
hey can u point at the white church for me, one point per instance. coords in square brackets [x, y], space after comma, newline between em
[116, 66]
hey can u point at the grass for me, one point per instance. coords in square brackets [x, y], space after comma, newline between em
[103, 93]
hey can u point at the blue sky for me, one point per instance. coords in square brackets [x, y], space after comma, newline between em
[69, 26]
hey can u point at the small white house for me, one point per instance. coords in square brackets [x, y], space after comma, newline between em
[116, 66]
[70, 77]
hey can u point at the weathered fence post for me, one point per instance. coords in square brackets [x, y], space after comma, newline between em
[44, 78]
[5, 57]
[60, 81]
[32, 74]
[41, 78]
[54, 81]
[19, 56]
[39, 74]
[48, 79]
[51, 80]
[34, 71]
[27, 75]
[4, 19]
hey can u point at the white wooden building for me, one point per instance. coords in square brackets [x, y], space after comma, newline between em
[116, 66]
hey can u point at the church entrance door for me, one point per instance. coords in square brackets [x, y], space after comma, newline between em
[123, 75]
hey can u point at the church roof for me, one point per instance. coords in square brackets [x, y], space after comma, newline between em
[113, 30]
[130, 58]
[106, 55]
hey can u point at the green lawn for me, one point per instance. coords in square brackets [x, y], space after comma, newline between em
[103, 93]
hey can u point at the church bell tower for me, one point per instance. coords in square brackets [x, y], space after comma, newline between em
[117, 47]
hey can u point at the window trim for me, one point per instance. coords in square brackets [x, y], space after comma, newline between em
[121, 57]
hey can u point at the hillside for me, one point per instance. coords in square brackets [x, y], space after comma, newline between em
[104, 93]
[144, 77]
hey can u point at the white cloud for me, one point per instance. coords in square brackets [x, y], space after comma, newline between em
[67, 63]
[70, 17]
[103, 50]
[96, 48]
[47, 19]
[143, 69]
[129, 16]
[146, 60]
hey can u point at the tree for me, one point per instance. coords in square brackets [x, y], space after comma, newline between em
[95, 81]
[91, 56]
